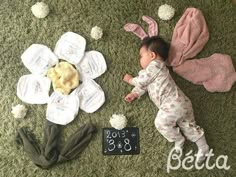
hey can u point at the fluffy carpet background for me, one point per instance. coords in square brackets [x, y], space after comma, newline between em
[215, 112]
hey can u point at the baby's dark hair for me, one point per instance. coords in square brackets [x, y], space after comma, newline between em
[157, 45]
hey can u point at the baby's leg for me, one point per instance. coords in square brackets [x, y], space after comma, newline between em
[166, 125]
[194, 133]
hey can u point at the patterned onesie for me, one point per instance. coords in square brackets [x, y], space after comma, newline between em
[175, 109]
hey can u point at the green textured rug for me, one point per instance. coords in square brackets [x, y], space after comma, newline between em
[215, 112]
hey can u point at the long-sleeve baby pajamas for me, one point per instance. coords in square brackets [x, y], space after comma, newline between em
[175, 109]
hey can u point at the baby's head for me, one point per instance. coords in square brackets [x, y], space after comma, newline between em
[153, 48]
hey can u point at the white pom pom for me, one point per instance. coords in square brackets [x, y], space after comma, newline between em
[96, 32]
[118, 121]
[19, 111]
[166, 12]
[40, 10]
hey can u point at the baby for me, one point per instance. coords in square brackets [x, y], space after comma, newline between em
[175, 109]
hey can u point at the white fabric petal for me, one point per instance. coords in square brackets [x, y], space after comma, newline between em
[70, 47]
[38, 59]
[33, 89]
[91, 96]
[62, 109]
[92, 65]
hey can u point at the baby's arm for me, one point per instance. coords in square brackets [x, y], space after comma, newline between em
[127, 78]
[135, 93]
[130, 97]
[137, 90]
[146, 76]
[135, 81]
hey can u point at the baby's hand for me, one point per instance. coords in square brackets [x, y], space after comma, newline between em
[130, 97]
[127, 78]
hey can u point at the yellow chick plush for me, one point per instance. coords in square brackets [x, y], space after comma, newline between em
[64, 77]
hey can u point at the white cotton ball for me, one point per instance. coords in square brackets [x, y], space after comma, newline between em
[40, 9]
[19, 111]
[118, 121]
[166, 12]
[96, 32]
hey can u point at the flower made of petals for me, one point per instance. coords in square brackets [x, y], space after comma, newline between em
[34, 88]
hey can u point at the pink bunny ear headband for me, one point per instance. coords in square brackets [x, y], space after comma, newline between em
[138, 30]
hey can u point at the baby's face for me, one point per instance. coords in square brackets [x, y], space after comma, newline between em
[146, 56]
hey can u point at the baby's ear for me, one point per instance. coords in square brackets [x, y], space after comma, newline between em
[154, 55]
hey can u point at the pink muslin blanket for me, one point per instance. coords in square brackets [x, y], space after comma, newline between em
[189, 37]
[216, 73]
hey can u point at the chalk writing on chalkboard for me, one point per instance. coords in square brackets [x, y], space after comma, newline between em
[121, 142]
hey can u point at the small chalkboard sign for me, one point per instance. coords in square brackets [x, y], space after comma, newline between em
[121, 142]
